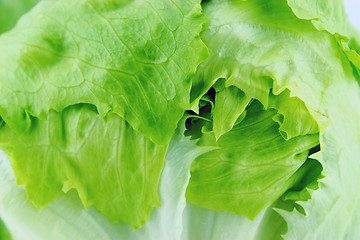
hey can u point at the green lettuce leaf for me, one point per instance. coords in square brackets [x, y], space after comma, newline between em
[133, 58]
[327, 15]
[333, 211]
[295, 119]
[69, 220]
[251, 168]
[176, 219]
[330, 16]
[112, 166]
[230, 104]
[92, 114]
[259, 45]
[81, 83]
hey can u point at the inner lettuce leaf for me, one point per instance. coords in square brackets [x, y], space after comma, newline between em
[330, 16]
[230, 104]
[256, 49]
[268, 224]
[133, 58]
[251, 167]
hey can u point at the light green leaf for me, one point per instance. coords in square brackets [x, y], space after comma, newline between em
[112, 166]
[351, 47]
[333, 211]
[69, 220]
[252, 167]
[248, 44]
[326, 15]
[230, 103]
[201, 223]
[330, 15]
[133, 58]
[256, 49]
[296, 119]
[305, 178]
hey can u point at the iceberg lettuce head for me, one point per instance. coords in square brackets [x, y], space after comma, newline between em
[158, 119]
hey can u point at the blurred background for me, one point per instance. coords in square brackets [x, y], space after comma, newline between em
[353, 10]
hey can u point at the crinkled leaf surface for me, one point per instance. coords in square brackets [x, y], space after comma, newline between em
[295, 119]
[112, 166]
[252, 167]
[130, 57]
[329, 16]
[352, 49]
[129, 62]
[326, 15]
[71, 221]
[259, 47]
[251, 41]
[333, 213]
[305, 178]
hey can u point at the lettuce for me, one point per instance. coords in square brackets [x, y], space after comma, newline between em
[179, 120]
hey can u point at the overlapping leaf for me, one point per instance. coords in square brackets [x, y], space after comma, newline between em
[129, 57]
[110, 164]
[251, 168]
[129, 63]
[92, 92]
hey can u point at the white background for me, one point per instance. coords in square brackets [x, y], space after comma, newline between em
[353, 10]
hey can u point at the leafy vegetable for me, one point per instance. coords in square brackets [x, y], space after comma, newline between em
[179, 120]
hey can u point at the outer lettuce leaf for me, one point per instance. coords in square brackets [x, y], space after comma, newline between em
[112, 166]
[132, 61]
[11, 11]
[251, 168]
[71, 221]
[352, 49]
[327, 15]
[330, 16]
[256, 49]
[333, 212]
[133, 58]
[201, 223]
